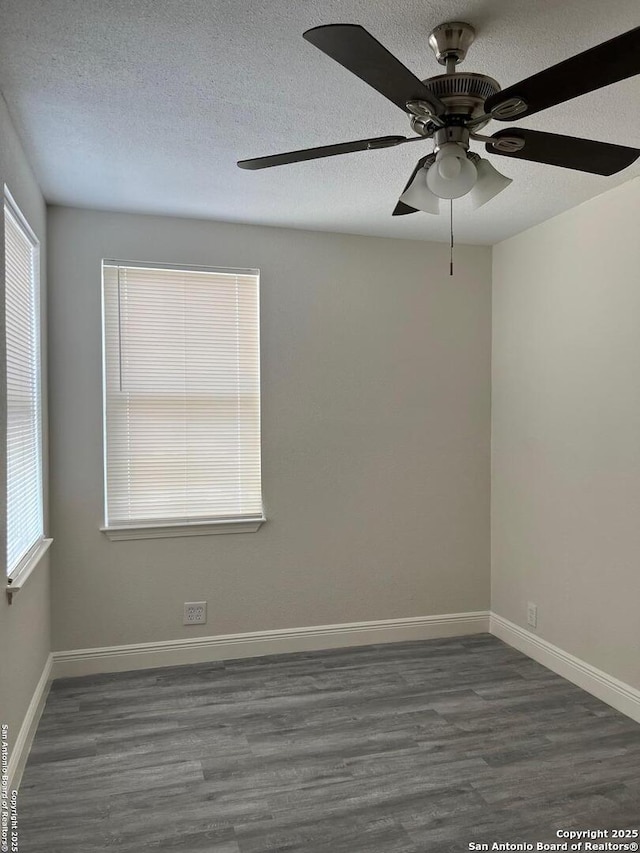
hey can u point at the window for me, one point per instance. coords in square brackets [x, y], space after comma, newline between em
[181, 400]
[25, 523]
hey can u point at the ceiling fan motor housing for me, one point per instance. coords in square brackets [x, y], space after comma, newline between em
[463, 95]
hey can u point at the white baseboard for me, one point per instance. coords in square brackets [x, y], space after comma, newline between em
[228, 646]
[616, 693]
[22, 743]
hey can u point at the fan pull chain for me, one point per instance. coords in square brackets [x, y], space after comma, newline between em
[451, 237]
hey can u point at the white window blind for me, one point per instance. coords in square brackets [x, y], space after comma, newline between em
[25, 524]
[182, 394]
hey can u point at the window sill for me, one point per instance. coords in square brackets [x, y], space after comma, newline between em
[18, 577]
[165, 531]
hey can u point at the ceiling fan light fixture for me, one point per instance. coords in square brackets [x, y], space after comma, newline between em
[419, 196]
[450, 108]
[490, 182]
[453, 174]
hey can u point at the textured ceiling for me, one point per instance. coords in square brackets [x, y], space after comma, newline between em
[145, 105]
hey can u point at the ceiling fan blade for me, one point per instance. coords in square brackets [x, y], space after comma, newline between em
[609, 62]
[359, 52]
[402, 209]
[571, 152]
[323, 151]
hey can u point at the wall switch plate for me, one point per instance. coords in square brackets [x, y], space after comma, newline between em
[532, 615]
[195, 613]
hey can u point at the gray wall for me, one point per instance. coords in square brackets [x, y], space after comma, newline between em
[376, 424]
[566, 430]
[24, 626]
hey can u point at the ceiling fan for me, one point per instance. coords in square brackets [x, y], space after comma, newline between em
[452, 107]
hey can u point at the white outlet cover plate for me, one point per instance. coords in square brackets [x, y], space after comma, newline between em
[195, 613]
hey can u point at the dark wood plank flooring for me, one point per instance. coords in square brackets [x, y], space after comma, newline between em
[399, 748]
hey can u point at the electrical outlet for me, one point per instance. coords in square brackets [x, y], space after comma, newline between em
[532, 615]
[195, 613]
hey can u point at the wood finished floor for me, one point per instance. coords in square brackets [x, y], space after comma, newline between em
[400, 748]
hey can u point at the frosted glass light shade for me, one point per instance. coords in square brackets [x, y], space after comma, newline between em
[419, 196]
[452, 175]
[490, 182]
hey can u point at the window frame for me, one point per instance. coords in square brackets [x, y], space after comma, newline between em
[171, 527]
[17, 576]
